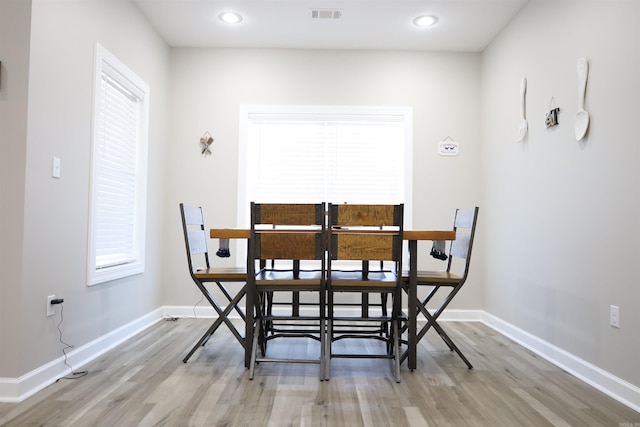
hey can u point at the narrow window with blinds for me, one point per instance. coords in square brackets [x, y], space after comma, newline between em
[338, 154]
[118, 184]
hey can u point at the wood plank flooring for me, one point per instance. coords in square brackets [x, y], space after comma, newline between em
[143, 382]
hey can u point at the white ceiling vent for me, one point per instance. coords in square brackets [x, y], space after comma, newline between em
[326, 14]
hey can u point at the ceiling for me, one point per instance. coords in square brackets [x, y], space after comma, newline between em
[463, 25]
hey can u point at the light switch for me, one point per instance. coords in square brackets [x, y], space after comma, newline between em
[55, 167]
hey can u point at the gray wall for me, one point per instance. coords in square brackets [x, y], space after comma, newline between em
[15, 18]
[51, 236]
[209, 85]
[561, 217]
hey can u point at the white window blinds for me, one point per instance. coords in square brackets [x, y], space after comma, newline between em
[119, 168]
[297, 155]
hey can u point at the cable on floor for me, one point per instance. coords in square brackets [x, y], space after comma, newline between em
[74, 374]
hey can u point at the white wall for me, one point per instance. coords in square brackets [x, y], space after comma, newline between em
[54, 255]
[15, 19]
[209, 85]
[560, 216]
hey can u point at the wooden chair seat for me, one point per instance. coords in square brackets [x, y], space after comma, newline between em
[435, 277]
[221, 273]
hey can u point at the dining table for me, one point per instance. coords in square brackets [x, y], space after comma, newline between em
[412, 236]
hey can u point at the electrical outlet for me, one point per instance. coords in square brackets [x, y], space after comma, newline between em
[614, 316]
[50, 307]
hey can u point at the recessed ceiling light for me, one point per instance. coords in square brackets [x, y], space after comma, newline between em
[425, 21]
[230, 17]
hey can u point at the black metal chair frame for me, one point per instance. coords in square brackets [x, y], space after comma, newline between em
[465, 226]
[289, 237]
[196, 244]
[357, 239]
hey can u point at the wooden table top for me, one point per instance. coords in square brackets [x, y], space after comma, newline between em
[428, 235]
[229, 233]
[243, 233]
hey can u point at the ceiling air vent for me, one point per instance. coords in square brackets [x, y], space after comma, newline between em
[326, 14]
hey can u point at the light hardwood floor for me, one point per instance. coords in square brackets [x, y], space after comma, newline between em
[143, 382]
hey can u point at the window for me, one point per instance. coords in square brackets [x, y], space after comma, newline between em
[334, 154]
[118, 180]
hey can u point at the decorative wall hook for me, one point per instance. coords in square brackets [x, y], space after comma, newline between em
[205, 142]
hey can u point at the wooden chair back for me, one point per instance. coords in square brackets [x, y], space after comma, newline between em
[365, 232]
[287, 214]
[287, 231]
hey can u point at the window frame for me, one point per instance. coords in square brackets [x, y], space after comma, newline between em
[246, 111]
[134, 262]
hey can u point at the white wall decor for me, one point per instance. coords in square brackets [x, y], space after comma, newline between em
[448, 147]
[524, 126]
[582, 117]
[205, 142]
[551, 117]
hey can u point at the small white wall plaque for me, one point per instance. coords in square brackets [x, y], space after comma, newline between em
[448, 147]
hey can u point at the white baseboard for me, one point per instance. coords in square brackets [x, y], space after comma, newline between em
[617, 388]
[18, 389]
[208, 312]
[200, 312]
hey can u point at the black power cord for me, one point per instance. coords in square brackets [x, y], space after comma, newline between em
[195, 316]
[74, 374]
[175, 318]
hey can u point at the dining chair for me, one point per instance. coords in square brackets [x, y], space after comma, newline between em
[203, 273]
[452, 278]
[365, 257]
[287, 256]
